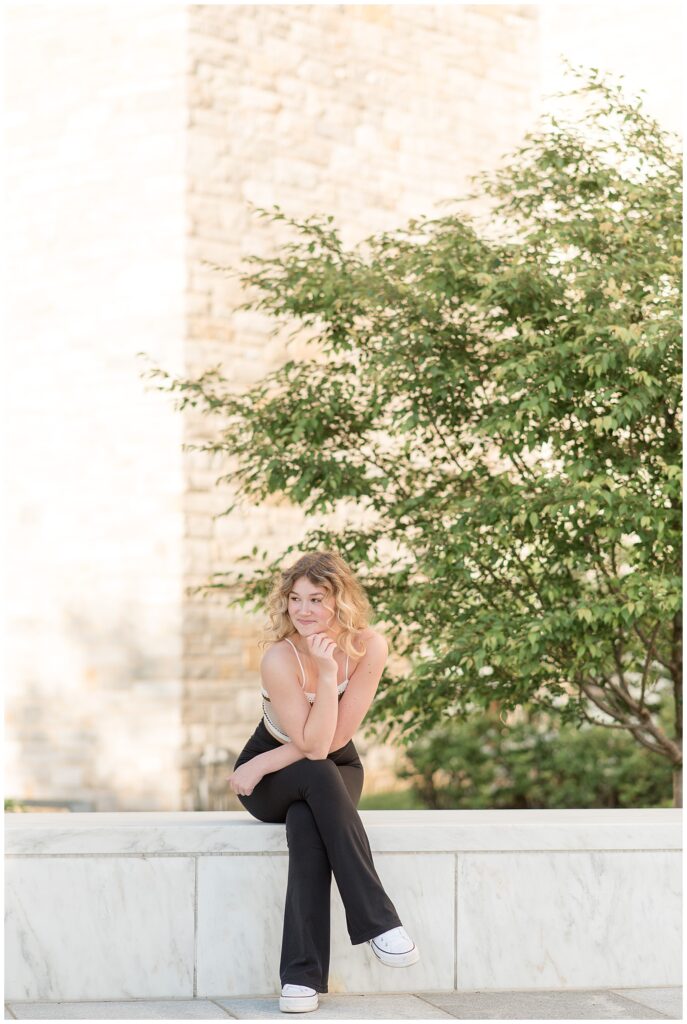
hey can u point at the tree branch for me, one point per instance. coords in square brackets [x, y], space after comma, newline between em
[647, 663]
[663, 745]
[617, 593]
[634, 730]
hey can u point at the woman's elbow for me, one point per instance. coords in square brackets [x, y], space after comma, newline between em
[316, 755]
[305, 751]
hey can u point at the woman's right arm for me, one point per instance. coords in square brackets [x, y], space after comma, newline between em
[280, 757]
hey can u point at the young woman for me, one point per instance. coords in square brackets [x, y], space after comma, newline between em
[301, 767]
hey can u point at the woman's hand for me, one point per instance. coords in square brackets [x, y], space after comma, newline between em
[322, 649]
[246, 777]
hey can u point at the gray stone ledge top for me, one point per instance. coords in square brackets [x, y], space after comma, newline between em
[236, 832]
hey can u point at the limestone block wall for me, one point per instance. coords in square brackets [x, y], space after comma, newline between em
[372, 114]
[95, 121]
[138, 137]
[137, 140]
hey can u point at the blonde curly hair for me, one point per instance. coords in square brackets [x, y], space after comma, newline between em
[345, 597]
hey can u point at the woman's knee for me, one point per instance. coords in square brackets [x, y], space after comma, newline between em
[320, 776]
[319, 765]
[262, 810]
[322, 773]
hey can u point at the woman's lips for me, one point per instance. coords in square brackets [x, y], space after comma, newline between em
[306, 622]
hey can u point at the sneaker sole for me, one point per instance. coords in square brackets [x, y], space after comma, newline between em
[298, 1004]
[396, 959]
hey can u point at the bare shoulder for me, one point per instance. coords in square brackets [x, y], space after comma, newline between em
[277, 671]
[275, 655]
[369, 633]
[374, 640]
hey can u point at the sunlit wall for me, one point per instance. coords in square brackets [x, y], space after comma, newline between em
[136, 139]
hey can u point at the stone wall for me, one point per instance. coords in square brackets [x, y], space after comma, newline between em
[372, 114]
[95, 112]
[138, 138]
[182, 906]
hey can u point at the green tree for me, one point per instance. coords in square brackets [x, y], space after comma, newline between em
[500, 398]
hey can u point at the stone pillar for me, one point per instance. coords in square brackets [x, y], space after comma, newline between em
[96, 137]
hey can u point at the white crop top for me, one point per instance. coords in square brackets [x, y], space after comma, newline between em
[268, 712]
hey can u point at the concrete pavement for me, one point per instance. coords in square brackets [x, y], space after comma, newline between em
[598, 1004]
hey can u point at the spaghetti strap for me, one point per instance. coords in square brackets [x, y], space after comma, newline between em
[346, 676]
[299, 661]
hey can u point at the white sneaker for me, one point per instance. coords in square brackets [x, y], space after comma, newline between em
[297, 999]
[395, 948]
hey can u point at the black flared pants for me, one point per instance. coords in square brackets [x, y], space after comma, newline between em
[317, 800]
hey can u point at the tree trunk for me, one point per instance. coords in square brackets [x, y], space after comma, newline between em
[676, 671]
[677, 786]
[677, 684]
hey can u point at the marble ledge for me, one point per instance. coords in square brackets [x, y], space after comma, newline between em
[452, 831]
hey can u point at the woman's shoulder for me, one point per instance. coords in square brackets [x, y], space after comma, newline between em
[369, 635]
[276, 667]
[276, 652]
[370, 632]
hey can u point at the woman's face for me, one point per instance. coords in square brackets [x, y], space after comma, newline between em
[310, 607]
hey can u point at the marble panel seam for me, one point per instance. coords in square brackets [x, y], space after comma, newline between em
[195, 927]
[455, 921]
[121, 855]
[612, 989]
[577, 850]
[357, 992]
[148, 855]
